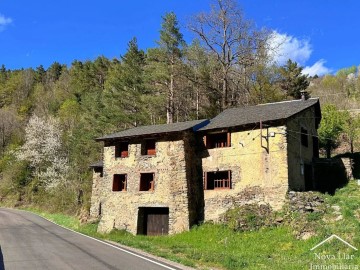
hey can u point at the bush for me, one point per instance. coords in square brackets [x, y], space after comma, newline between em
[249, 217]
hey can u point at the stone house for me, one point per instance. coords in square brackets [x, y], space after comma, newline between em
[163, 179]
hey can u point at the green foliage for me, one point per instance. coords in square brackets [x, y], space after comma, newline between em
[249, 217]
[351, 128]
[332, 124]
[171, 38]
[216, 246]
[164, 65]
[171, 82]
[346, 71]
[292, 82]
[125, 94]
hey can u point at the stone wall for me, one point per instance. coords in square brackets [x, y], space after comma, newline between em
[299, 155]
[194, 178]
[120, 209]
[96, 194]
[262, 170]
[259, 174]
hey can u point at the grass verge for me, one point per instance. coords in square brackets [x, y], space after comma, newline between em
[215, 246]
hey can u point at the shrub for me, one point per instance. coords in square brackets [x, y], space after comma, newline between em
[249, 217]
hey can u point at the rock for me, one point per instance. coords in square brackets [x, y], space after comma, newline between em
[279, 219]
[336, 208]
[306, 235]
[339, 218]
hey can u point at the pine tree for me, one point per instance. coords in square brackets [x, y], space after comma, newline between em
[124, 90]
[165, 62]
[292, 81]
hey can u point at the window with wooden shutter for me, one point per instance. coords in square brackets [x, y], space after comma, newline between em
[148, 148]
[147, 182]
[217, 140]
[119, 182]
[217, 180]
[122, 150]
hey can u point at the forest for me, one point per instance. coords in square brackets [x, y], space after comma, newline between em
[50, 117]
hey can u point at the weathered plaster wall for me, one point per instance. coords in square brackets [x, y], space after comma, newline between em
[257, 175]
[297, 153]
[120, 209]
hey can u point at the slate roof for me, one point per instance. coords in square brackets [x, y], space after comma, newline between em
[156, 129]
[98, 164]
[265, 112]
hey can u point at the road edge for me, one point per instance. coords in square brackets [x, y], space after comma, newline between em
[130, 250]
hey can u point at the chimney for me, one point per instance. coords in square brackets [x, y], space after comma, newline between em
[304, 95]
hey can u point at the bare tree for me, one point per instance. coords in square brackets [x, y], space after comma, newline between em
[233, 40]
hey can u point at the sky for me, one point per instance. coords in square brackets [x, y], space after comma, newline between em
[322, 36]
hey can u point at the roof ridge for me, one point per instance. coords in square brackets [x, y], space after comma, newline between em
[285, 101]
[272, 103]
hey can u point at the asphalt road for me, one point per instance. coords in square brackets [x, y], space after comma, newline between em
[28, 241]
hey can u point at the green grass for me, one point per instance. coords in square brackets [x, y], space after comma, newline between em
[212, 246]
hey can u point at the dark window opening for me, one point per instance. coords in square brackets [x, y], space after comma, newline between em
[304, 137]
[99, 170]
[217, 140]
[147, 182]
[217, 180]
[119, 182]
[148, 148]
[315, 147]
[122, 150]
[100, 209]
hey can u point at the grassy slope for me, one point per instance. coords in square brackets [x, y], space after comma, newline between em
[215, 246]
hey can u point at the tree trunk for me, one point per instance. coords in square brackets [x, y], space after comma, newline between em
[197, 102]
[170, 105]
[224, 102]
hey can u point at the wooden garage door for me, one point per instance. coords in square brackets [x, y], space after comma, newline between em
[157, 221]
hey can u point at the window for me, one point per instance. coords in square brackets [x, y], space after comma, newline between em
[119, 182]
[122, 150]
[217, 140]
[217, 180]
[304, 137]
[147, 181]
[148, 148]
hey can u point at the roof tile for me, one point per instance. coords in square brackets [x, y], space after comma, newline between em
[254, 114]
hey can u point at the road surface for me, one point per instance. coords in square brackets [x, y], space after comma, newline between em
[28, 241]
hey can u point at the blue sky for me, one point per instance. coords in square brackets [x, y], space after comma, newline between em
[323, 36]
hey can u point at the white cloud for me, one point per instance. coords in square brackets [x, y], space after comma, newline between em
[317, 69]
[4, 21]
[286, 47]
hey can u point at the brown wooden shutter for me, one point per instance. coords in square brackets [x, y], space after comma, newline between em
[204, 139]
[205, 180]
[229, 177]
[228, 139]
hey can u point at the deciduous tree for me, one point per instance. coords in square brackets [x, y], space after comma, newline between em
[234, 41]
[332, 124]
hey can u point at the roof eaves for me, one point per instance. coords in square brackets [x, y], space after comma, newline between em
[193, 127]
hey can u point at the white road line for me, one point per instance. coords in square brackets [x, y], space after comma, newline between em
[105, 243]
